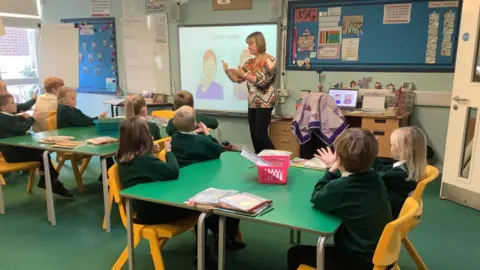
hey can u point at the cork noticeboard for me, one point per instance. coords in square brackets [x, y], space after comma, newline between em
[220, 5]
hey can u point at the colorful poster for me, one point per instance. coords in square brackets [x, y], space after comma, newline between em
[330, 35]
[350, 47]
[306, 14]
[306, 42]
[352, 25]
[328, 51]
[86, 30]
[397, 13]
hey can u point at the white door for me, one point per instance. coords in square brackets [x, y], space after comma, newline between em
[461, 170]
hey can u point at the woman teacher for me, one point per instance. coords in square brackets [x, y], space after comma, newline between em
[260, 74]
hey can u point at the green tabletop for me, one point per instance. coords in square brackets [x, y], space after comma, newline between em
[292, 207]
[80, 134]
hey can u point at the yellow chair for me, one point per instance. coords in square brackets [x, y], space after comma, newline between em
[390, 243]
[164, 114]
[74, 159]
[431, 174]
[157, 235]
[6, 167]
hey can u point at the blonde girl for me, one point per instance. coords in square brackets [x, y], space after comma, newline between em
[67, 113]
[136, 106]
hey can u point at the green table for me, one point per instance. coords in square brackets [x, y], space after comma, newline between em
[292, 207]
[80, 134]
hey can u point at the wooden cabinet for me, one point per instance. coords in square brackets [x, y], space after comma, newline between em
[283, 138]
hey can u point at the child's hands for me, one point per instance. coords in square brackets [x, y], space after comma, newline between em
[168, 145]
[334, 167]
[34, 96]
[156, 148]
[26, 115]
[224, 65]
[102, 115]
[327, 156]
[203, 128]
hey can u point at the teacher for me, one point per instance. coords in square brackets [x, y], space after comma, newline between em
[260, 73]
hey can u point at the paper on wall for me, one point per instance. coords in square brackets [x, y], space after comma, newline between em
[328, 51]
[132, 9]
[100, 8]
[442, 4]
[397, 13]
[86, 30]
[448, 24]
[335, 11]
[350, 47]
[432, 40]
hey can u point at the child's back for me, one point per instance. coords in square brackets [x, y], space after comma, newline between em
[46, 103]
[67, 114]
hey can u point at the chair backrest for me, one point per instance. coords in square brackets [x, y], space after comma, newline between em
[52, 122]
[115, 187]
[431, 173]
[52, 113]
[164, 114]
[162, 155]
[390, 243]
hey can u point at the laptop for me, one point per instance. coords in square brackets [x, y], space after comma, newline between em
[346, 99]
[373, 104]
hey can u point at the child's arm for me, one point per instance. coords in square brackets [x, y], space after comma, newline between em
[21, 124]
[23, 107]
[170, 128]
[379, 166]
[327, 194]
[210, 122]
[79, 119]
[395, 179]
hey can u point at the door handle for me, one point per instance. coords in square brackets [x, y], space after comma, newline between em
[459, 99]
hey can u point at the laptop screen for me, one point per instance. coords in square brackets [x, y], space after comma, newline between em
[345, 98]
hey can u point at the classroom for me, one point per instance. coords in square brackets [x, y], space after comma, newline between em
[374, 70]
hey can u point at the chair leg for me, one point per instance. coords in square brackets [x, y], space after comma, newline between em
[78, 176]
[414, 254]
[2, 206]
[110, 201]
[2, 180]
[124, 256]
[85, 163]
[31, 179]
[60, 164]
[155, 249]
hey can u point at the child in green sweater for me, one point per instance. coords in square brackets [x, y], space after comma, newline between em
[136, 106]
[68, 115]
[17, 125]
[185, 98]
[353, 191]
[21, 107]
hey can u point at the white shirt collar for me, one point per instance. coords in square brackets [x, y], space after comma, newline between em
[345, 174]
[7, 113]
[398, 163]
[191, 132]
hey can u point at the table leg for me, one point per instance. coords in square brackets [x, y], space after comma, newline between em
[48, 190]
[201, 241]
[2, 207]
[299, 237]
[221, 242]
[106, 202]
[116, 110]
[111, 109]
[131, 259]
[321, 253]
[292, 233]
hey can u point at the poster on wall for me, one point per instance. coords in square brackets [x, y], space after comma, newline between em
[100, 8]
[397, 13]
[350, 47]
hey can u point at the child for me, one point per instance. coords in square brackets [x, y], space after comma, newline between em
[18, 125]
[67, 114]
[184, 98]
[46, 103]
[358, 197]
[188, 145]
[21, 107]
[135, 105]
[409, 147]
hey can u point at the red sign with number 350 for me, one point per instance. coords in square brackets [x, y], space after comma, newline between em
[306, 14]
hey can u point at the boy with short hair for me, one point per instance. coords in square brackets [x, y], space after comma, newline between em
[46, 103]
[188, 144]
[185, 98]
[358, 197]
[21, 107]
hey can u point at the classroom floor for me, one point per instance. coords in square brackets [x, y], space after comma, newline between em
[447, 238]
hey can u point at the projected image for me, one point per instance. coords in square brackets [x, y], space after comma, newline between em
[240, 89]
[208, 87]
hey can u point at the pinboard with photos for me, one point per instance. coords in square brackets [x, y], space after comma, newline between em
[373, 35]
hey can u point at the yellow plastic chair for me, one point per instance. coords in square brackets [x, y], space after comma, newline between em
[390, 243]
[157, 235]
[431, 174]
[62, 157]
[164, 114]
[6, 167]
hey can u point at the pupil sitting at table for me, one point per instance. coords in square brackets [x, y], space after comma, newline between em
[351, 190]
[17, 125]
[21, 107]
[136, 106]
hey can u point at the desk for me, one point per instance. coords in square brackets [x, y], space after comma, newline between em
[80, 134]
[168, 106]
[292, 207]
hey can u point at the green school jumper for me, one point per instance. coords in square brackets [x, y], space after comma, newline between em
[23, 107]
[398, 187]
[154, 131]
[211, 123]
[361, 201]
[11, 126]
[146, 169]
[191, 148]
[72, 117]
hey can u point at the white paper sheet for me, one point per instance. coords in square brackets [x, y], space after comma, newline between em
[100, 8]
[132, 9]
[397, 13]
[350, 47]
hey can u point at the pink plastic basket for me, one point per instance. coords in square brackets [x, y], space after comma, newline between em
[275, 174]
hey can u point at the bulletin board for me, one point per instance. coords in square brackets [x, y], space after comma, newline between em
[372, 35]
[97, 55]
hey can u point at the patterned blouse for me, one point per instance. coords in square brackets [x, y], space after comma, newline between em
[261, 94]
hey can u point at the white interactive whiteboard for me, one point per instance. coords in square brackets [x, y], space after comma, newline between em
[202, 49]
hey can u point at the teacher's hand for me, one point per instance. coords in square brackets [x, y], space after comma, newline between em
[239, 72]
[225, 65]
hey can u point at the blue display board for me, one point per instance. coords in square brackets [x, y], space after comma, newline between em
[98, 70]
[372, 35]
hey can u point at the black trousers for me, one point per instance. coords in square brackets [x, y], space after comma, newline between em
[258, 121]
[20, 154]
[334, 259]
[149, 213]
